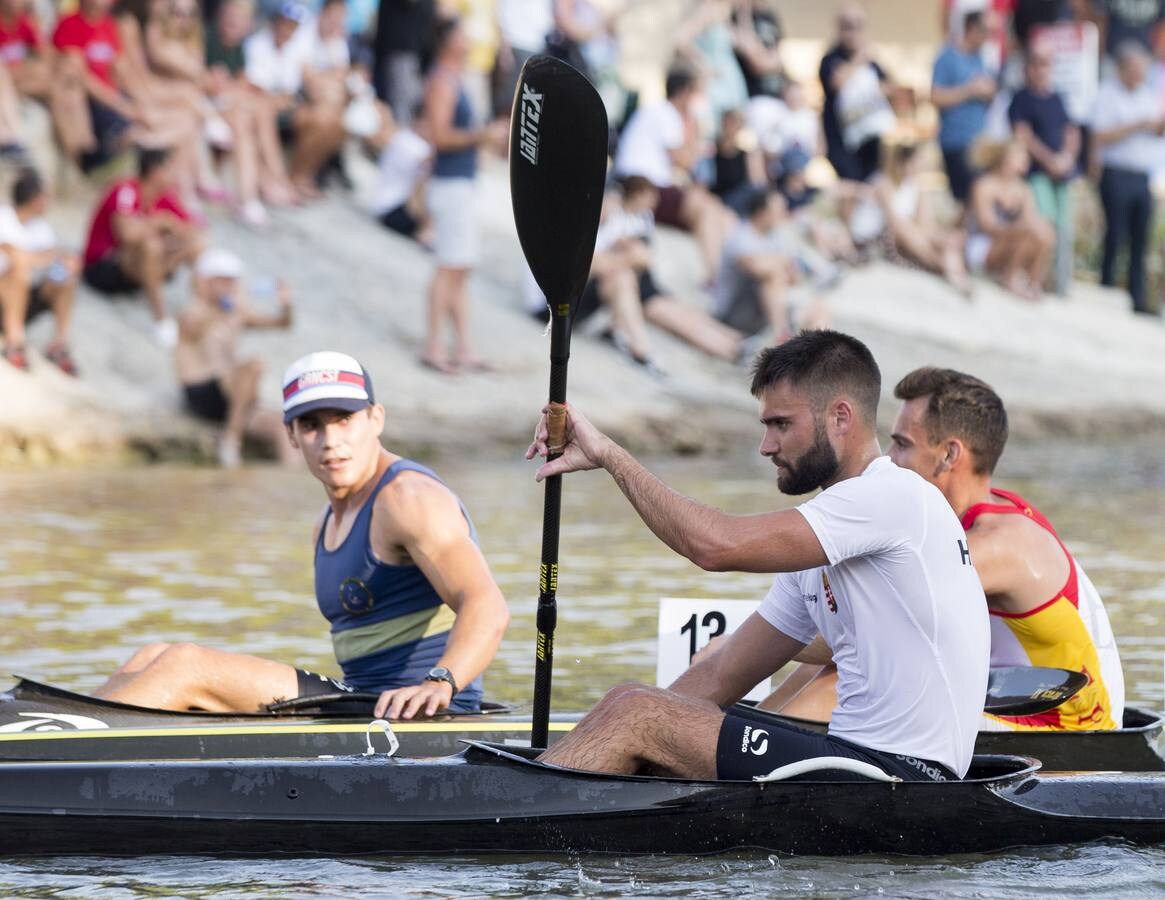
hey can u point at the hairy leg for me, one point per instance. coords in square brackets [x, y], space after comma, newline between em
[635, 727]
[188, 676]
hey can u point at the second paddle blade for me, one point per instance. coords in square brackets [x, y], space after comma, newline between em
[1027, 691]
[558, 165]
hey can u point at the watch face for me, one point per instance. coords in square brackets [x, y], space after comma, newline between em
[439, 672]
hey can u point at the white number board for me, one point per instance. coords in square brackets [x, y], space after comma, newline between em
[686, 626]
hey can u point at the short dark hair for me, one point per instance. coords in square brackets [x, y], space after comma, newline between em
[151, 158]
[756, 200]
[27, 187]
[443, 29]
[973, 19]
[826, 363]
[328, 3]
[636, 184]
[679, 79]
[961, 406]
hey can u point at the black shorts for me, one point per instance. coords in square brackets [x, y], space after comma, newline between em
[314, 685]
[109, 128]
[754, 743]
[400, 220]
[106, 276]
[206, 400]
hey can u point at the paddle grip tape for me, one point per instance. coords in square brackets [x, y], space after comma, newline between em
[556, 429]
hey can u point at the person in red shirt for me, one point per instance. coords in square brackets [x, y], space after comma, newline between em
[90, 36]
[39, 72]
[140, 236]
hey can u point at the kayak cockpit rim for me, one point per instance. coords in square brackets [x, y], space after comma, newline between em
[997, 770]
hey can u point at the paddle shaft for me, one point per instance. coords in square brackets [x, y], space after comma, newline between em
[547, 617]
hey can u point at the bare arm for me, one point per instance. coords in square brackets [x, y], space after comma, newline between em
[751, 654]
[440, 103]
[426, 521]
[281, 319]
[716, 541]
[1120, 132]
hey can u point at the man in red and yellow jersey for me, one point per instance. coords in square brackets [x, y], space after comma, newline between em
[1044, 610]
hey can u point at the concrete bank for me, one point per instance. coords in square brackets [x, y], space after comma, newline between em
[1082, 366]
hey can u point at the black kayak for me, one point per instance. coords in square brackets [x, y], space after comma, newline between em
[492, 799]
[41, 722]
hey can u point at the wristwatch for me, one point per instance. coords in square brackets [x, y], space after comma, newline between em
[440, 673]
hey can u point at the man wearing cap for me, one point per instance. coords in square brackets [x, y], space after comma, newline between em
[217, 385]
[414, 610]
[276, 59]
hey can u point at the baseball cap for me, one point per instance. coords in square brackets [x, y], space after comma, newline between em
[289, 9]
[218, 263]
[793, 160]
[325, 379]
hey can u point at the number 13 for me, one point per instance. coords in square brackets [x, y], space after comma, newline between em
[712, 620]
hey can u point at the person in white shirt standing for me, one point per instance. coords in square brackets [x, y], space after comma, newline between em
[876, 564]
[36, 274]
[1127, 128]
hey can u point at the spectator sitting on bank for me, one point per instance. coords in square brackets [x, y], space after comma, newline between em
[1127, 128]
[252, 114]
[800, 126]
[738, 163]
[38, 72]
[828, 235]
[218, 385]
[89, 42]
[756, 272]
[36, 274]
[404, 159]
[664, 136]
[276, 59]
[141, 235]
[1007, 237]
[856, 113]
[1040, 121]
[961, 90]
[622, 280]
[913, 231]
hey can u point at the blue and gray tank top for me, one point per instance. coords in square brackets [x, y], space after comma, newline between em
[389, 625]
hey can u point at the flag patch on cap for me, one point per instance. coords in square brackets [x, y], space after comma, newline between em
[325, 380]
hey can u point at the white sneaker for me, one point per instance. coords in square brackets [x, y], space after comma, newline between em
[230, 454]
[217, 132]
[166, 333]
[253, 214]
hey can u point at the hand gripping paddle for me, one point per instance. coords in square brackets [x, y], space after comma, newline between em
[558, 165]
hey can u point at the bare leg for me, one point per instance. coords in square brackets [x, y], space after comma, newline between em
[619, 290]
[242, 390]
[635, 726]
[144, 261]
[694, 326]
[60, 296]
[244, 153]
[441, 289]
[9, 109]
[14, 296]
[267, 425]
[772, 300]
[319, 134]
[188, 676]
[131, 667]
[464, 357]
[274, 183]
[810, 692]
[709, 221]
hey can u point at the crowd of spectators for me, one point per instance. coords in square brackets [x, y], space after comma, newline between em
[782, 185]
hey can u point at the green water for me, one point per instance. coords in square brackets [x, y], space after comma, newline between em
[95, 563]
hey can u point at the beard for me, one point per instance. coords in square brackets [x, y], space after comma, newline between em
[815, 466]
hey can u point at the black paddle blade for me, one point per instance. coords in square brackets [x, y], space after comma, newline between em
[1028, 690]
[558, 165]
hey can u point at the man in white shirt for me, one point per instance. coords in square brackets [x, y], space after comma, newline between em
[277, 58]
[36, 274]
[665, 136]
[1127, 127]
[876, 564]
